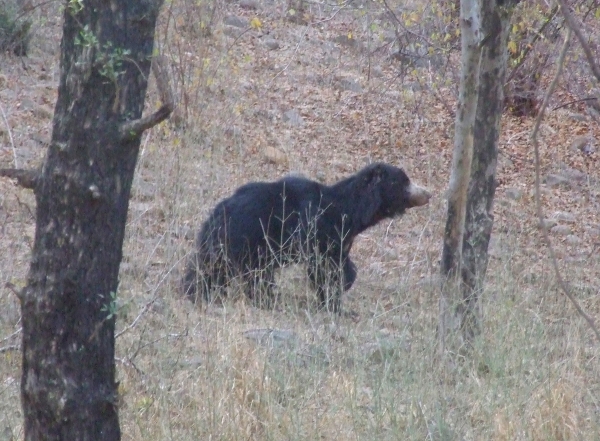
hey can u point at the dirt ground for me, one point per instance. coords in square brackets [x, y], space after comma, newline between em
[263, 92]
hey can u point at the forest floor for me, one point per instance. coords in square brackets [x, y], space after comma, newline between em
[263, 92]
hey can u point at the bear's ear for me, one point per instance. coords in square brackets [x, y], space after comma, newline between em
[370, 198]
[373, 176]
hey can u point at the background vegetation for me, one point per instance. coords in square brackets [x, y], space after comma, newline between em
[270, 87]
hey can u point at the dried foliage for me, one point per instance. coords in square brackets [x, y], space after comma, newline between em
[192, 373]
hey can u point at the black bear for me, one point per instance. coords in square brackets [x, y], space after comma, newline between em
[266, 225]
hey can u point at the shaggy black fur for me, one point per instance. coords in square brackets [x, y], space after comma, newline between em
[266, 225]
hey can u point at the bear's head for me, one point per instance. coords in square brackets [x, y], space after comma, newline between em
[386, 191]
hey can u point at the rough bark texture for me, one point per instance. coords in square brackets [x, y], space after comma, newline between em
[450, 301]
[463, 138]
[460, 311]
[68, 386]
[480, 199]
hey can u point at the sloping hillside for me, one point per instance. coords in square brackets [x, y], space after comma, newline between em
[266, 88]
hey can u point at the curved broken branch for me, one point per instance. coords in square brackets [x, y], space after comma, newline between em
[133, 129]
[25, 178]
[538, 203]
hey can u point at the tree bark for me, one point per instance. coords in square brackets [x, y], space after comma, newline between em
[451, 304]
[68, 385]
[495, 25]
[473, 180]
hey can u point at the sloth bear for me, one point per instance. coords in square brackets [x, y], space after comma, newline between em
[266, 225]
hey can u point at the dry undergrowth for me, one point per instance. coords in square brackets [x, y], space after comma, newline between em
[216, 372]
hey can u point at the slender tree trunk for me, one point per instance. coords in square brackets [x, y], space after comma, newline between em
[495, 25]
[451, 304]
[68, 386]
[473, 184]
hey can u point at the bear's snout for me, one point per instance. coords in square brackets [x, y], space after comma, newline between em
[417, 196]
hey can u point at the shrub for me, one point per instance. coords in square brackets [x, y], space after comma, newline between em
[15, 28]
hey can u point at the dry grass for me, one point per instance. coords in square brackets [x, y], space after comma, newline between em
[194, 372]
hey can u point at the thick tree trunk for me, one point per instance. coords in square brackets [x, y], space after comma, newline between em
[480, 199]
[68, 385]
[451, 304]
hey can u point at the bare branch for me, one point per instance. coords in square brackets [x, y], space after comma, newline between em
[129, 363]
[144, 309]
[16, 292]
[538, 34]
[10, 348]
[401, 24]
[287, 65]
[12, 142]
[14, 334]
[590, 98]
[538, 203]
[133, 129]
[576, 28]
[25, 178]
